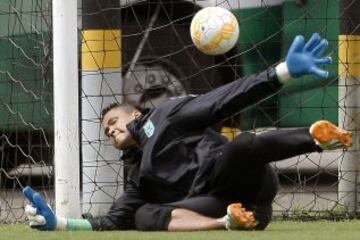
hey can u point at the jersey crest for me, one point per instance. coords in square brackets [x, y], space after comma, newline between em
[149, 128]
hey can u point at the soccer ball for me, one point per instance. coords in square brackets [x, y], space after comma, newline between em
[214, 30]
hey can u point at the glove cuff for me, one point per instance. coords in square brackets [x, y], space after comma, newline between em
[61, 223]
[282, 73]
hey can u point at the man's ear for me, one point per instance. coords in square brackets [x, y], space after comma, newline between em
[136, 114]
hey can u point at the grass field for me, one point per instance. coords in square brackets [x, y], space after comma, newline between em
[279, 230]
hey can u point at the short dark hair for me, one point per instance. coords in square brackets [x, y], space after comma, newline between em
[127, 107]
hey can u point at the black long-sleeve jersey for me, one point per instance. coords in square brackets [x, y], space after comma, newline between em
[179, 150]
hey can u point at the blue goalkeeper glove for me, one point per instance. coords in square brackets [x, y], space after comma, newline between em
[304, 58]
[39, 213]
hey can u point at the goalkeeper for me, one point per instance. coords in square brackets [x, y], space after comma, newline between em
[187, 177]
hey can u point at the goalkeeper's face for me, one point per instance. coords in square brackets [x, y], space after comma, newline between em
[114, 124]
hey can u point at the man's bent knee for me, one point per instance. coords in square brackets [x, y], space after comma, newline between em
[153, 217]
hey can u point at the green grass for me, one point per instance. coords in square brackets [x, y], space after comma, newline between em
[277, 230]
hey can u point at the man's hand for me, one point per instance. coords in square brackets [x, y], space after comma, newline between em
[40, 215]
[304, 58]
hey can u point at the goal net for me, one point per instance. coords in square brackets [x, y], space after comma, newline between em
[141, 52]
[25, 103]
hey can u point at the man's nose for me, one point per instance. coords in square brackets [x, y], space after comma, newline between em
[111, 131]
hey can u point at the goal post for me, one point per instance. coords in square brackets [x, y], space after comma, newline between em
[349, 102]
[66, 108]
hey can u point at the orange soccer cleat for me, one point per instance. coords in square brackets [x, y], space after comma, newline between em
[328, 136]
[238, 218]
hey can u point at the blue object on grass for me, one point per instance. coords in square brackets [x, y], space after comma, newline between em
[42, 208]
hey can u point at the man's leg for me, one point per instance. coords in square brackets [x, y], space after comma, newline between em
[273, 146]
[254, 186]
[191, 214]
[209, 213]
[278, 145]
[244, 174]
[244, 160]
[187, 220]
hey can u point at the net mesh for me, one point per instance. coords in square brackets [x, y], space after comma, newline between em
[25, 103]
[158, 60]
[152, 71]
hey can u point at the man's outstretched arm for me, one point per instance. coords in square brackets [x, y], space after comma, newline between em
[303, 58]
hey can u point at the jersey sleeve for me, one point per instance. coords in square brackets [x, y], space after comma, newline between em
[122, 212]
[202, 111]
